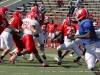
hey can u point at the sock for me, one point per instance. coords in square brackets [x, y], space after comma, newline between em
[78, 58]
[72, 53]
[42, 51]
[40, 60]
[19, 54]
[51, 44]
[31, 55]
[2, 56]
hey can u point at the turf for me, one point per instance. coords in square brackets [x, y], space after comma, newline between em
[23, 67]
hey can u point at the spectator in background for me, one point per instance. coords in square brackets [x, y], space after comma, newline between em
[71, 2]
[23, 9]
[41, 7]
[59, 3]
[71, 10]
[78, 2]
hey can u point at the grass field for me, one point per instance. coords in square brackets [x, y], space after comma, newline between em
[23, 67]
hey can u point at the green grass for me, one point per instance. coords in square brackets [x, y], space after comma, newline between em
[23, 67]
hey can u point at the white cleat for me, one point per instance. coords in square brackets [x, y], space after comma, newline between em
[59, 60]
[31, 59]
[71, 55]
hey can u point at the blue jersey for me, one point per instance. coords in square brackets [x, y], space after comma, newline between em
[85, 26]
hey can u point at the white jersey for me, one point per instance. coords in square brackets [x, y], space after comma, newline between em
[98, 32]
[37, 26]
[27, 22]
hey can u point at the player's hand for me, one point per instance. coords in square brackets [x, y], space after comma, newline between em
[75, 37]
[36, 35]
[20, 31]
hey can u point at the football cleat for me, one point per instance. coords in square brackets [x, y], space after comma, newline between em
[31, 59]
[44, 57]
[59, 60]
[45, 65]
[13, 58]
[77, 61]
[71, 55]
[1, 60]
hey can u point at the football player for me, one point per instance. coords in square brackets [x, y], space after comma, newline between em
[89, 38]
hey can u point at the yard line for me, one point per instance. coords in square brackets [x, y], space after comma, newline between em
[13, 3]
[23, 67]
[4, 1]
[21, 73]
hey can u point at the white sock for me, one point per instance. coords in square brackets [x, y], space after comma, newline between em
[54, 45]
[31, 55]
[51, 44]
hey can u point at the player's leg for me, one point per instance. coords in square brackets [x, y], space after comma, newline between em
[64, 53]
[46, 39]
[41, 42]
[59, 58]
[90, 56]
[90, 60]
[8, 43]
[51, 42]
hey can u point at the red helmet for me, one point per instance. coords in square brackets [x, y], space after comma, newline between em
[82, 13]
[32, 15]
[16, 13]
[34, 9]
[67, 21]
[3, 11]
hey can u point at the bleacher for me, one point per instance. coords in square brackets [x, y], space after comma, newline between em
[51, 7]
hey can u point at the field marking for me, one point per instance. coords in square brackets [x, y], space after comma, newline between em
[55, 55]
[13, 3]
[21, 73]
[24, 67]
[4, 1]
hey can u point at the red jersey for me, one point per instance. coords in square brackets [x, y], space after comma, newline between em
[76, 26]
[3, 23]
[51, 28]
[41, 17]
[15, 22]
[68, 30]
[43, 27]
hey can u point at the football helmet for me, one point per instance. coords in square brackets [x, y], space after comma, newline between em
[34, 9]
[32, 15]
[4, 11]
[16, 13]
[82, 13]
[67, 21]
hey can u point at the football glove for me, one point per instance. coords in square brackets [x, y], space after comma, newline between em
[36, 35]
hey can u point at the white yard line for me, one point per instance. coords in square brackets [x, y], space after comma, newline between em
[12, 3]
[21, 73]
[4, 1]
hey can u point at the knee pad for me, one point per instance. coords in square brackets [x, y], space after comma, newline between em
[42, 45]
[90, 66]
